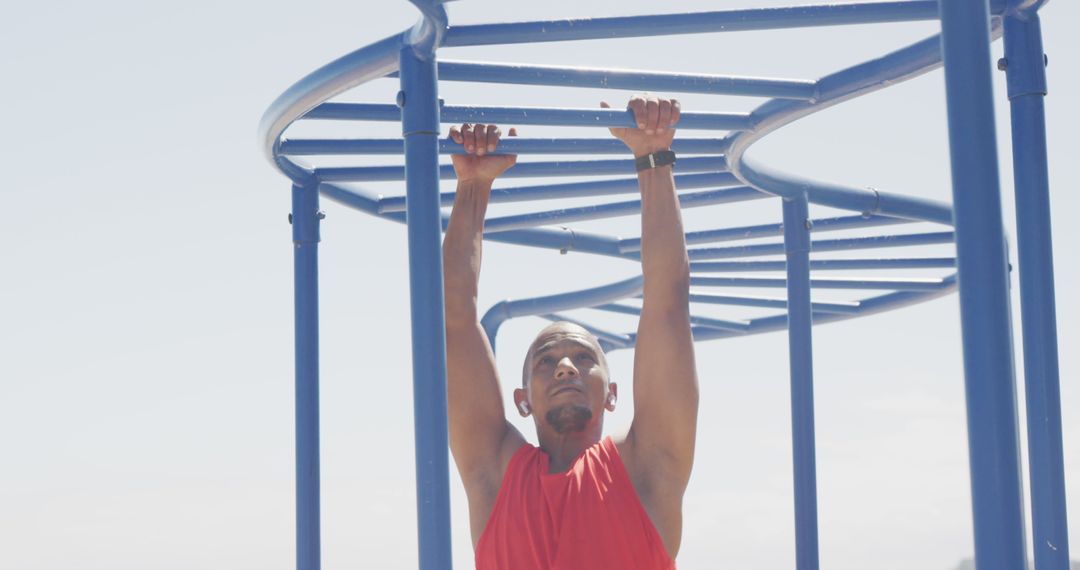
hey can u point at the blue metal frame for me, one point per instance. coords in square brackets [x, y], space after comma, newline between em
[420, 128]
[722, 173]
[797, 248]
[1026, 73]
[305, 219]
[982, 265]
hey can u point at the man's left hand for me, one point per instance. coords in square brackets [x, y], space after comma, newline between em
[656, 118]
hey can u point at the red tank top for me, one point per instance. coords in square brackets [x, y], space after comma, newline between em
[587, 518]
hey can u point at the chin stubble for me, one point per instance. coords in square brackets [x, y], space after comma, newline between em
[568, 418]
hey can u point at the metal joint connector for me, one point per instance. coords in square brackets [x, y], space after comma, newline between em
[570, 244]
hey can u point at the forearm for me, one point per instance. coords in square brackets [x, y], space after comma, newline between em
[664, 260]
[462, 249]
[476, 419]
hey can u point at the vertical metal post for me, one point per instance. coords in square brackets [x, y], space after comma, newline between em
[797, 248]
[1026, 73]
[305, 228]
[982, 266]
[420, 127]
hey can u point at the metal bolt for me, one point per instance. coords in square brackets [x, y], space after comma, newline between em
[401, 99]
[1003, 64]
[809, 224]
[290, 219]
[1046, 60]
[320, 215]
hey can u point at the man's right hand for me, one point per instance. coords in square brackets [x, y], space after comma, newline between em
[479, 164]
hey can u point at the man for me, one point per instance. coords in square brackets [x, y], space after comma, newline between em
[578, 500]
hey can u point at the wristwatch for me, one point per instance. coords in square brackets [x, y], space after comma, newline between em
[658, 158]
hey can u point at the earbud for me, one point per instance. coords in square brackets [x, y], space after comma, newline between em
[611, 399]
[524, 407]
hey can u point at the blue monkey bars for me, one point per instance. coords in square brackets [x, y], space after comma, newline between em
[715, 166]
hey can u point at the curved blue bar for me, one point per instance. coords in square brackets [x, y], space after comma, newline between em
[633, 80]
[872, 242]
[360, 66]
[927, 284]
[616, 339]
[824, 264]
[866, 200]
[616, 209]
[870, 306]
[847, 308]
[308, 147]
[521, 169]
[572, 190]
[737, 326]
[562, 239]
[427, 34]
[511, 116]
[739, 300]
[770, 230]
[500, 312]
[693, 23]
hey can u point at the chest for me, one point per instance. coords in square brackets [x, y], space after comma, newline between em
[557, 520]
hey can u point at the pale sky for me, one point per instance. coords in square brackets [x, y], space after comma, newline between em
[147, 357]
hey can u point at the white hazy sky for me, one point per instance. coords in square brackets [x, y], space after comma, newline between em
[146, 357]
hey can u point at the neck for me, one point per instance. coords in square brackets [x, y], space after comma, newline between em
[563, 449]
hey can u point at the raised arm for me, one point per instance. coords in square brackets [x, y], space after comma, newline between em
[665, 379]
[479, 432]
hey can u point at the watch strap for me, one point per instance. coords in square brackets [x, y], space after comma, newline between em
[652, 160]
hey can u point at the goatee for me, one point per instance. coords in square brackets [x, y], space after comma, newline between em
[568, 418]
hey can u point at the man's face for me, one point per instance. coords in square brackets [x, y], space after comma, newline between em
[566, 377]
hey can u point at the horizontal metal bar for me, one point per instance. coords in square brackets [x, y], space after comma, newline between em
[888, 263]
[862, 283]
[616, 209]
[737, 326]
[868, 306]
[560, 239]
[503, 310]
[771, 230]
[527, 116]
[769, 302]
[823, 245]
[521, 169]
[824, 264]
[328, 147]
[690, 23]
[621, 340]
[628, 79]
[865, 200]
[575, 190]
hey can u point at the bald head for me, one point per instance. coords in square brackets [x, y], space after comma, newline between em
[555, 333]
